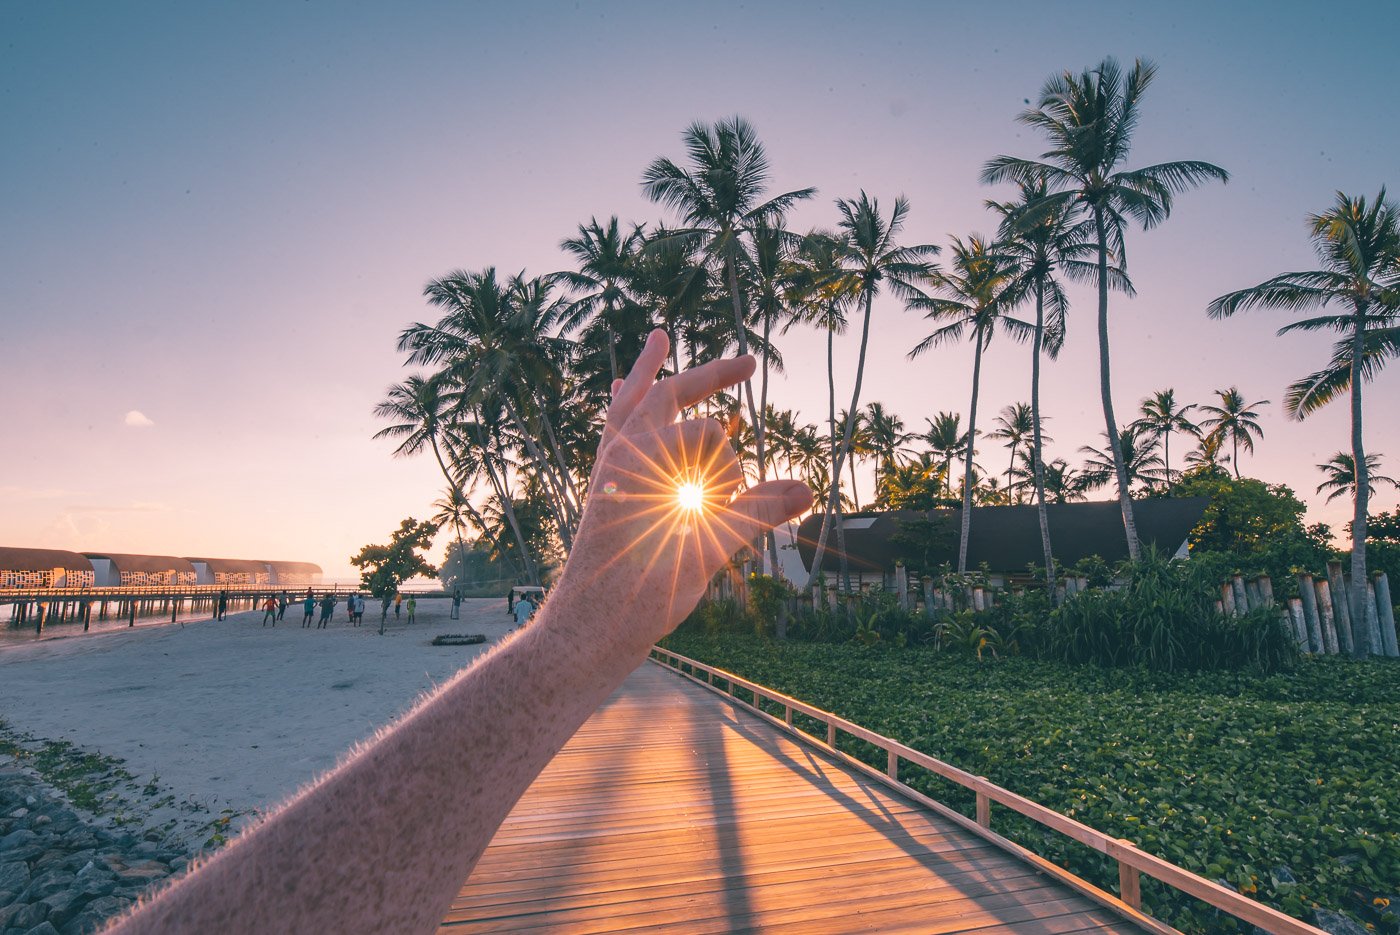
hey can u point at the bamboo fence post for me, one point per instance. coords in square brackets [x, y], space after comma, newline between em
[1341, 607]
[901, 586]
[927, 582]
[1227, 598]
[1071, 587]
[1266, 589]
[1241, 601]
[979, 599]
[1373, 622]
[1386, 610]
[1251, 594]
[1326, 608]
[1308, 589]
[1300, 625]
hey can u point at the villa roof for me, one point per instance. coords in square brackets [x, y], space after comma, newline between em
[144, 563]
[14, 559]
[232, 566]
[1005, 538]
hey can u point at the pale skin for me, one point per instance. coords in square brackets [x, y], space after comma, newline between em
[384, 842]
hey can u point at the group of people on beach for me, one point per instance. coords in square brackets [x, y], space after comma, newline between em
[354, 608]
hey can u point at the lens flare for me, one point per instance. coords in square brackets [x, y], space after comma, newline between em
[691, 497]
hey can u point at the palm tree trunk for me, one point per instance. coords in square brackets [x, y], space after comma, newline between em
[573, 498]
[1009, 468]
[833, 498]
[542, 467]
[971, 448]
[612, 352]
[769, 539]
[1035, 430]
[1361, 644]
[1167, 456]
[855, 494]
[1115, 444]
[742, 335]
[508, 508]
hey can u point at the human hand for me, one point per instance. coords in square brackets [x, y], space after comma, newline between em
[640, 555]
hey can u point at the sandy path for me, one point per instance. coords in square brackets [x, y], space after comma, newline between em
[231, 714]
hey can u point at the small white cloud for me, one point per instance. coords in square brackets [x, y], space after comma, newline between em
[137, 419]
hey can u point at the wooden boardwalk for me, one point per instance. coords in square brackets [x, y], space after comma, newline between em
[672, 811]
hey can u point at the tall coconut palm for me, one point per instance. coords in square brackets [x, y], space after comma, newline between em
[1016, 426]
[1358, 246]
[976, 296]
[946, 437]
[1161, 416]
[1142, 465]
[884, 432]
[1236, 421]
[1089, 120]
[1340, 474]
[1045, 238]
[875, 260]
[604, 253]
[720, 197]
[1207, 456]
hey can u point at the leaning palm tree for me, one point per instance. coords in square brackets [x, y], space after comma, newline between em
[875, 260]
[1359, 249]
[719, 197]
[1340, 474]
[976, 296]
[1045, 238]
[1161, 416]
[1236, 421]
[1089, 120]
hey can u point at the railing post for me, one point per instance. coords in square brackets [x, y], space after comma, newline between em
[984, 810]
[1129, 883]
[892, 767]
[787, 714]
[831, 735]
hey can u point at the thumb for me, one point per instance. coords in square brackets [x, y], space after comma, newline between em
[760, 508]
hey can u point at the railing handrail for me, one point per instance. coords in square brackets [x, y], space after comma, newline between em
[1131, 859]
[114, 592]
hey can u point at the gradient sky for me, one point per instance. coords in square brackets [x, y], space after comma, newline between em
[220, 217]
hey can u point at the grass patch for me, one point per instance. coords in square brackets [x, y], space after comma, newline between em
[88, 780]
[1232, 776]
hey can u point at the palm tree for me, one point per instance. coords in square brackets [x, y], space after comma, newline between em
[1160, 417]
[872, 257]
[604, 254]
[858, 449]
[718, 196]
[1141, 463]
[1359, 249]
[1044, 237]
[1340, 472]
[1089, 120]
[1236, 420]
[1014, 426]
[1063, 483]
[1206, 458]
[948, 441]
[884, 432]
[977, 296]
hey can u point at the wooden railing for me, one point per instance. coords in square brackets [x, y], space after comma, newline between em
[1131, 860]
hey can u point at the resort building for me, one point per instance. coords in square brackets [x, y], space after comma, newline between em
[230, 571]
[118, 570]
[1006, 539]
[44, 568]
[294, 574]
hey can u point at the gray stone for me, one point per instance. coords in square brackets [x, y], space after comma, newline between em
[19, 812]
[42, 820]
[14, 876]
[28, 852]
[1285, 875]
[1337, 924]
[17, 839]
[146, 849]
[43, 928]
[8, 913]
[64, 905]
[142, 875]
[86, 922]
[30, 916]
[48, 883]
[178, 864]
[108, 905]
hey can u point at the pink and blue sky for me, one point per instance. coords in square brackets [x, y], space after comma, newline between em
[216, 219]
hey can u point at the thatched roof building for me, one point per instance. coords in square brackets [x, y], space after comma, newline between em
[43, 568]
[230, 571]
[117, 569]
[295, 573]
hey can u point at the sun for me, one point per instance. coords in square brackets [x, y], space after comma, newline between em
[691, 497]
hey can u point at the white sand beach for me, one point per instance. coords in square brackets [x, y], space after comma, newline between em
[232, 715]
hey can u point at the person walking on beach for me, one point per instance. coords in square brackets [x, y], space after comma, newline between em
[456, 603]
[350, 608]
[282, 602]
[223, 605]
[412, 606]
[270, 610]
[308, 608]
[359, 609]
[398, 601]
[524, 610]
[327, 608]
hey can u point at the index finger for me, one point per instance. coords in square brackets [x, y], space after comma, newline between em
[637, 382]
[671, 395]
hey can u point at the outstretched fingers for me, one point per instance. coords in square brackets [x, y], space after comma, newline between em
[757, 510]
[669, 396]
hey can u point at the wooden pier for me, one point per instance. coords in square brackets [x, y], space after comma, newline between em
[676, 810]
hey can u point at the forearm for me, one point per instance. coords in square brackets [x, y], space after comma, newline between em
[383, 842]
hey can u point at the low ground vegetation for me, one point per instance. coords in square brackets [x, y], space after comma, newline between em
[1282, 786]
